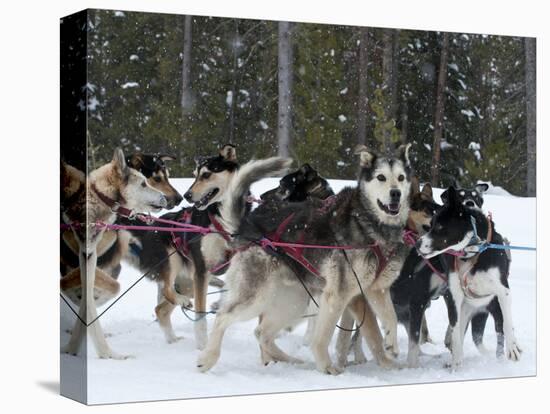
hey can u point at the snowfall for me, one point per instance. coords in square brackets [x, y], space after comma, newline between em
[158, 370]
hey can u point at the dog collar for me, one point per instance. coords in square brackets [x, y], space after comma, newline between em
[114, 205]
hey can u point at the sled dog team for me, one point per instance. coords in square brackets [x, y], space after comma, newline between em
[378, 251]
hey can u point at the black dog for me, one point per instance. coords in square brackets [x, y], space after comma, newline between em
[299, 185]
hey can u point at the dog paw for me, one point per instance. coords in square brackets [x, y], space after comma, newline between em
[333, 370]
[392, 348]
[206, 361]
[482, 349]
[359, 360]
[69, 350]
[174, 339]
[413, 362]
[114, 355]
[513, 352]
[388, 363]
[453, 366]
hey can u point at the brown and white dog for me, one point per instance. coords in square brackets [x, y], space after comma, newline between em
[113, 246]
[110, 189]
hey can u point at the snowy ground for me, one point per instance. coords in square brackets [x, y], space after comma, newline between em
[160, 371]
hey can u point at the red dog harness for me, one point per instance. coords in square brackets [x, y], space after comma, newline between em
[295, 250]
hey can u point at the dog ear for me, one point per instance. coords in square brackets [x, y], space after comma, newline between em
[366, 156]
[415, 185]
[135, 161]
[452, 198]
[308, 171]
[120, 162]
[403, 153]
[199, 159]
[228, 152]
[427, 190]
[482, 187]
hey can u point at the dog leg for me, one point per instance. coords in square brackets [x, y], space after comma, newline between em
[478, 327]
[266, 332]
[382, 305]
[343, 341]
[425, 333]
[454, 299]
[235, 309]
[160, 294]
[200, 290]
[495, 310]
[164, 312]
[417, 310]
[363, 312]
[330, 310]
[359, 356]
[98, 337]
[310, 329]
[513, 351]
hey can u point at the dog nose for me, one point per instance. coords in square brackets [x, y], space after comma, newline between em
[426, 228]
[470, 203]
[395, 194]
[188, 196]
[178, 199]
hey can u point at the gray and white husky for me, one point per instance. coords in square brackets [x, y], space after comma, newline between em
[267, 283]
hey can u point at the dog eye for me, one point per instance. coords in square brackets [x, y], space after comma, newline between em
[206, 175]
[380, 177]
[401, 177]
[157, 179]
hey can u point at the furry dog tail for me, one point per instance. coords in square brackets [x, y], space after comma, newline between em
[233, 205]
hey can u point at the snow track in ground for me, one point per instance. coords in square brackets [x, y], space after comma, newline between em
[167, 371]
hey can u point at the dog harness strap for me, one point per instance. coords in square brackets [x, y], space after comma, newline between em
[181, 243]
[219, 228]
[463, 279]
[281, 228]
[112, 204]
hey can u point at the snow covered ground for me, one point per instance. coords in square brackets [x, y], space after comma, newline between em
[160, 371]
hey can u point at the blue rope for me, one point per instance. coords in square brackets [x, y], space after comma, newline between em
[486, 246]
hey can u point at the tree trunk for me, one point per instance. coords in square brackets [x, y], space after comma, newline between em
[387, 70]
[233, 103]
[394, 73]
[440, 108]
[363, 100]
[285, 89]
[404, 120]
[186, 93]
[531, 113]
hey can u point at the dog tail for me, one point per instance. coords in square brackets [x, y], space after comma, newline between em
[233, 205]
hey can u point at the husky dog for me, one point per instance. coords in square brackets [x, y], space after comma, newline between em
[422, 209]
[268, 282]
[111, 189]
[186, 259]
[475, 279]
[113, 245]
[299, 185]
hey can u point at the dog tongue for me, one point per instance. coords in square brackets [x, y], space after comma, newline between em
[394, 207]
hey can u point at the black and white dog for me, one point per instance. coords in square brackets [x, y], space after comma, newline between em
[473, 198]
[476, 278]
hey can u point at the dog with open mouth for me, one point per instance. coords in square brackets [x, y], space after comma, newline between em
[111, 189]
[267, 282]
